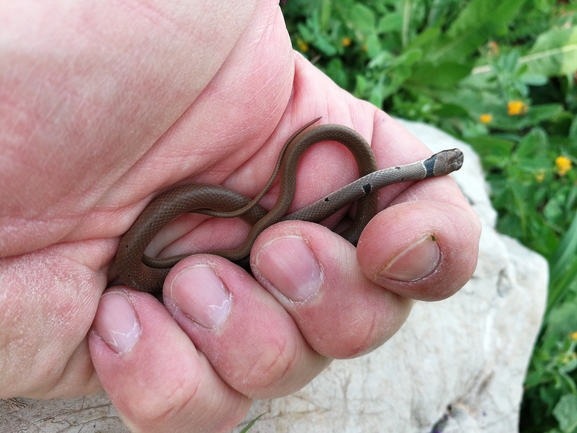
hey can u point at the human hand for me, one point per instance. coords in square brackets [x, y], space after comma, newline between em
[143, 98]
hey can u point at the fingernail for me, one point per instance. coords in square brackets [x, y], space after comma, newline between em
[200, 294]
[116, 322]
[414, 262]
[291, 267]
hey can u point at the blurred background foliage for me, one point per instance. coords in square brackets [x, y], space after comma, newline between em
[501, 76]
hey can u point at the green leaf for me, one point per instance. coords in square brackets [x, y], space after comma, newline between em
[566, 413]
[385, 59]
[325, 13]
[426, 39]
[336, 71]
[554, 53]
[540, 113]
[564, 255]
[491, 146]
[533, 79]
[534, 116]
[373, 45]
[406, 25]
[443, 75]
[250, 424]
[392, 22]
[409, 57]
[305, 32]
[361, 85]
[377, 94]
[450, 110]
[476, 23]
[561, 282]
[532, 144]
[324, 45]
[361, 18]
[381, 60]
[573, 130]
[489, 16]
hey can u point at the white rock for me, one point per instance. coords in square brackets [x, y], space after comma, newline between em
[460, 362]
[456, 365]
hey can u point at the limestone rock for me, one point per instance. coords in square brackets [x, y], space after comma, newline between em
[455, 366]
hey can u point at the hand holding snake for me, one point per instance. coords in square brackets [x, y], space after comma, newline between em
[108, 105]
[147, 274]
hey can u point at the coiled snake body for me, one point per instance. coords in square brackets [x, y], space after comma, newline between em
[147, 274]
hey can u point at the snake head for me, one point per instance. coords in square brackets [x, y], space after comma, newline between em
[447, 161]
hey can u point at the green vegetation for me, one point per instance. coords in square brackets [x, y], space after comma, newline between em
[250, 424]
[500, 75]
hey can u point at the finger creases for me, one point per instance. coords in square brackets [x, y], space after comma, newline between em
[424, 250]
[152, 372]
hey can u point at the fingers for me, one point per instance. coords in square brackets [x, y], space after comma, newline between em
[313, 273]
[346, 302]
[422, 250]
[223, 336]
[250, 340]
[152, 372]
[425, 244]
[233, 337]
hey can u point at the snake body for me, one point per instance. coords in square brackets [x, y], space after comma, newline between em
[147, 274]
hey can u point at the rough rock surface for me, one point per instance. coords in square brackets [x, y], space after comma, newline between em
[455, 366]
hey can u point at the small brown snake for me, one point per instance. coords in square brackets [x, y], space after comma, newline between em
[145, 273]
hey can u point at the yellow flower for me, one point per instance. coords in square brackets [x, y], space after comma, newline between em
[573, 335]
[540, 176]
[563, 165]
[346, 42]
[514, 108]
[493, 48]
[486, 118]
[303, 46]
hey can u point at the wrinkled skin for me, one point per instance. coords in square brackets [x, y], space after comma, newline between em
[103, 105]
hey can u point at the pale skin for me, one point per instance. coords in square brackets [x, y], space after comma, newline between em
[103, 105]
